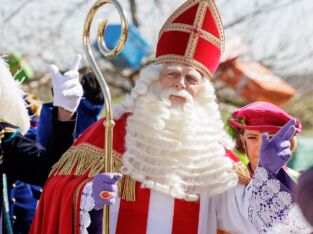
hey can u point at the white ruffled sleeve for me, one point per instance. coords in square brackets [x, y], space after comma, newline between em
[86, 205]
[271, 206]
[266, 205]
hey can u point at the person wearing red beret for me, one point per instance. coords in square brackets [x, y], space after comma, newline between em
[248, 123]
[170, 146]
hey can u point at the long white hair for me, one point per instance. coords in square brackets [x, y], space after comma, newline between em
[12, 105]
[178, 150]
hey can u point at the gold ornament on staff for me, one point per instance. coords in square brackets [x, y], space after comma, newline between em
[108, 123]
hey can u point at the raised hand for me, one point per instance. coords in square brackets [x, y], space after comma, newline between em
[104, 189]
[276, 152]
[67, 90]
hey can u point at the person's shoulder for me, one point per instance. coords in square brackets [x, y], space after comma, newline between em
[95, 133]
[88, 150]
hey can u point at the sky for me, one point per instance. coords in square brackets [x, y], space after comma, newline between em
[47, 31]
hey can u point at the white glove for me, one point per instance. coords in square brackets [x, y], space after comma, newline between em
[67, 90]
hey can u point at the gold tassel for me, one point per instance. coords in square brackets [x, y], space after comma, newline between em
[242, 172]
[83, 157]
[128, 191]
[127, 185]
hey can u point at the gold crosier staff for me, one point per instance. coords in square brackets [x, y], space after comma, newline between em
[108, 123]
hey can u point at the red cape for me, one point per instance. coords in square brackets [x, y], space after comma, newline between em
[59, 205]
[60, 200]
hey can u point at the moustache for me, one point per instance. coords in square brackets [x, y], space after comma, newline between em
[179, 93]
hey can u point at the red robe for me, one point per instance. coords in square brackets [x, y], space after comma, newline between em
[59, 206]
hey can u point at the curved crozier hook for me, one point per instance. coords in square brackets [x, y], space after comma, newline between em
[103, 49]
[102, 46]
[123, 37]
[109, 123]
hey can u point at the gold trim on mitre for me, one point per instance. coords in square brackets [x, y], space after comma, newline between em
[173, 58]
[218, 22]
[196, 32]
[188, 28]
[194, 36]
[210, 4]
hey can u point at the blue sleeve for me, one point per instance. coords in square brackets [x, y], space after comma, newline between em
[44, 129]
[26, 160]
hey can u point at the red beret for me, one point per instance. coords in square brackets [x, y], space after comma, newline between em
[262, 116]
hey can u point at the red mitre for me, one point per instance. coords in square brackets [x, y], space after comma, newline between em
[193, 35]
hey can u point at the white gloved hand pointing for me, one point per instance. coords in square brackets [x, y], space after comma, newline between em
[67, 90]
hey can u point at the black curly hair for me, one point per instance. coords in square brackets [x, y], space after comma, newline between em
[92, 90]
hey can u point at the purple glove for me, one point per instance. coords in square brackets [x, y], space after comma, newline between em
[276, 152]
[104, 189]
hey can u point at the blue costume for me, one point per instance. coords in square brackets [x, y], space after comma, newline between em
[23, 196]
[87, 114]
[24, 159]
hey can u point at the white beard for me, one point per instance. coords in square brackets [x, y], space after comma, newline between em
[176, 149]
[12, 104]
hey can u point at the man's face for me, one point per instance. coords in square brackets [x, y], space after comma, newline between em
[252, 139]
[181, 78]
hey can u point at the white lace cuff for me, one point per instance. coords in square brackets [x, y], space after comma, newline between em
[86, 205]
[293, 223]
[271, 208]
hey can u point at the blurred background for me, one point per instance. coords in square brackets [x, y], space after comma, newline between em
[268, 54]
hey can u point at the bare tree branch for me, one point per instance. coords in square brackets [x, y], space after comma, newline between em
[16, 11]
[266, 8]
[133, 9]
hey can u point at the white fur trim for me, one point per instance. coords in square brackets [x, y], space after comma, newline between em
[12, 104]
